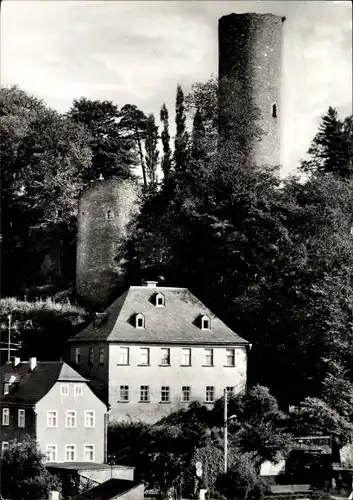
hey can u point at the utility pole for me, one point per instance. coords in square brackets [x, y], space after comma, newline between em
[9, 339]
[225, 430]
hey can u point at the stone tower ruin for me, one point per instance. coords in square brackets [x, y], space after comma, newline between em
[105, 211]
[250, 81]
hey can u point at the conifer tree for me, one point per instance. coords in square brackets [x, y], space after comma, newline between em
[152, 153]
[165, 136]
[181, 137]
[198, 138]
[329, 150]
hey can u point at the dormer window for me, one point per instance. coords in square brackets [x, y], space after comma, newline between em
[140, 321]
[205, 323]
[109, 215]
[160, 300]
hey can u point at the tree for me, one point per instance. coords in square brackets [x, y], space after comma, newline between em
[203, 99]
[242, 480]
[198, 138]
[165, 137]
[315, 417]
[44, 161]
[164, 459]
[152, 153]
[133, 121]
[273, 258]
[337, 391]
[23, 473]
[259, 426]
[112, 151]
[181, 136]
[330, 149]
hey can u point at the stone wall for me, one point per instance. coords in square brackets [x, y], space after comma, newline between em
[250, 47]
[105, 211]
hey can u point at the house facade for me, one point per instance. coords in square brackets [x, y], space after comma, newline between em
[157, 349]
[53, 404]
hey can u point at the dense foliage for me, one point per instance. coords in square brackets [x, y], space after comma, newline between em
[23, 474]
[166, 453]
[272, 257]
[42, 327]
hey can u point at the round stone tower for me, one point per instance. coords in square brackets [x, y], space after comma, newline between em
[105, 210]
[250, 83]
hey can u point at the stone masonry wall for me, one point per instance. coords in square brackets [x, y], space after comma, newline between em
[100, 239]
[250, 48]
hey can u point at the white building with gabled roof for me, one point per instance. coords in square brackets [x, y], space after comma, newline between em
[157, 349]
[55, 405]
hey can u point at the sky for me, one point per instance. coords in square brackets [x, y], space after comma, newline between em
[137, 51]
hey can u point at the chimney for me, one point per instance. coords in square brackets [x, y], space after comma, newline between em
[53, 495]
[150, 284]
[98, 319]
[32, 363]
[15, 361]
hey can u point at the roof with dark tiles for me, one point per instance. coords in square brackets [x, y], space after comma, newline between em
[28, 387]
[108, 490]
[175, 323]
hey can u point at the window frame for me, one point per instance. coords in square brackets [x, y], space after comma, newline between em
[91, 356]
[5, 413]
[73, 446]
[205, 318]
[62, 386]
[147, 350]
[211, 350]
[4, 448]
[230, 391]
[127, 356]
[21, 415]
[274, 110]
[54, 450]
[76, 392]
[144, 391]
[160, 296]
[109, 214]
[86, 417]
[186, 389]
[68, 417]
[139, 317]
[124, 394]
[182, 355]
[210, 389]
[93, 452]
[166, 350]
[165, 393]
[232, 356]
[101, 355]
[78, 355]
[54, 417]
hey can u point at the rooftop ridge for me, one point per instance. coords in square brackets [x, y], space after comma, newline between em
[157, 286]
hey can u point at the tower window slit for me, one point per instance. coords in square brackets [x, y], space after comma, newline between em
[274, 110]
